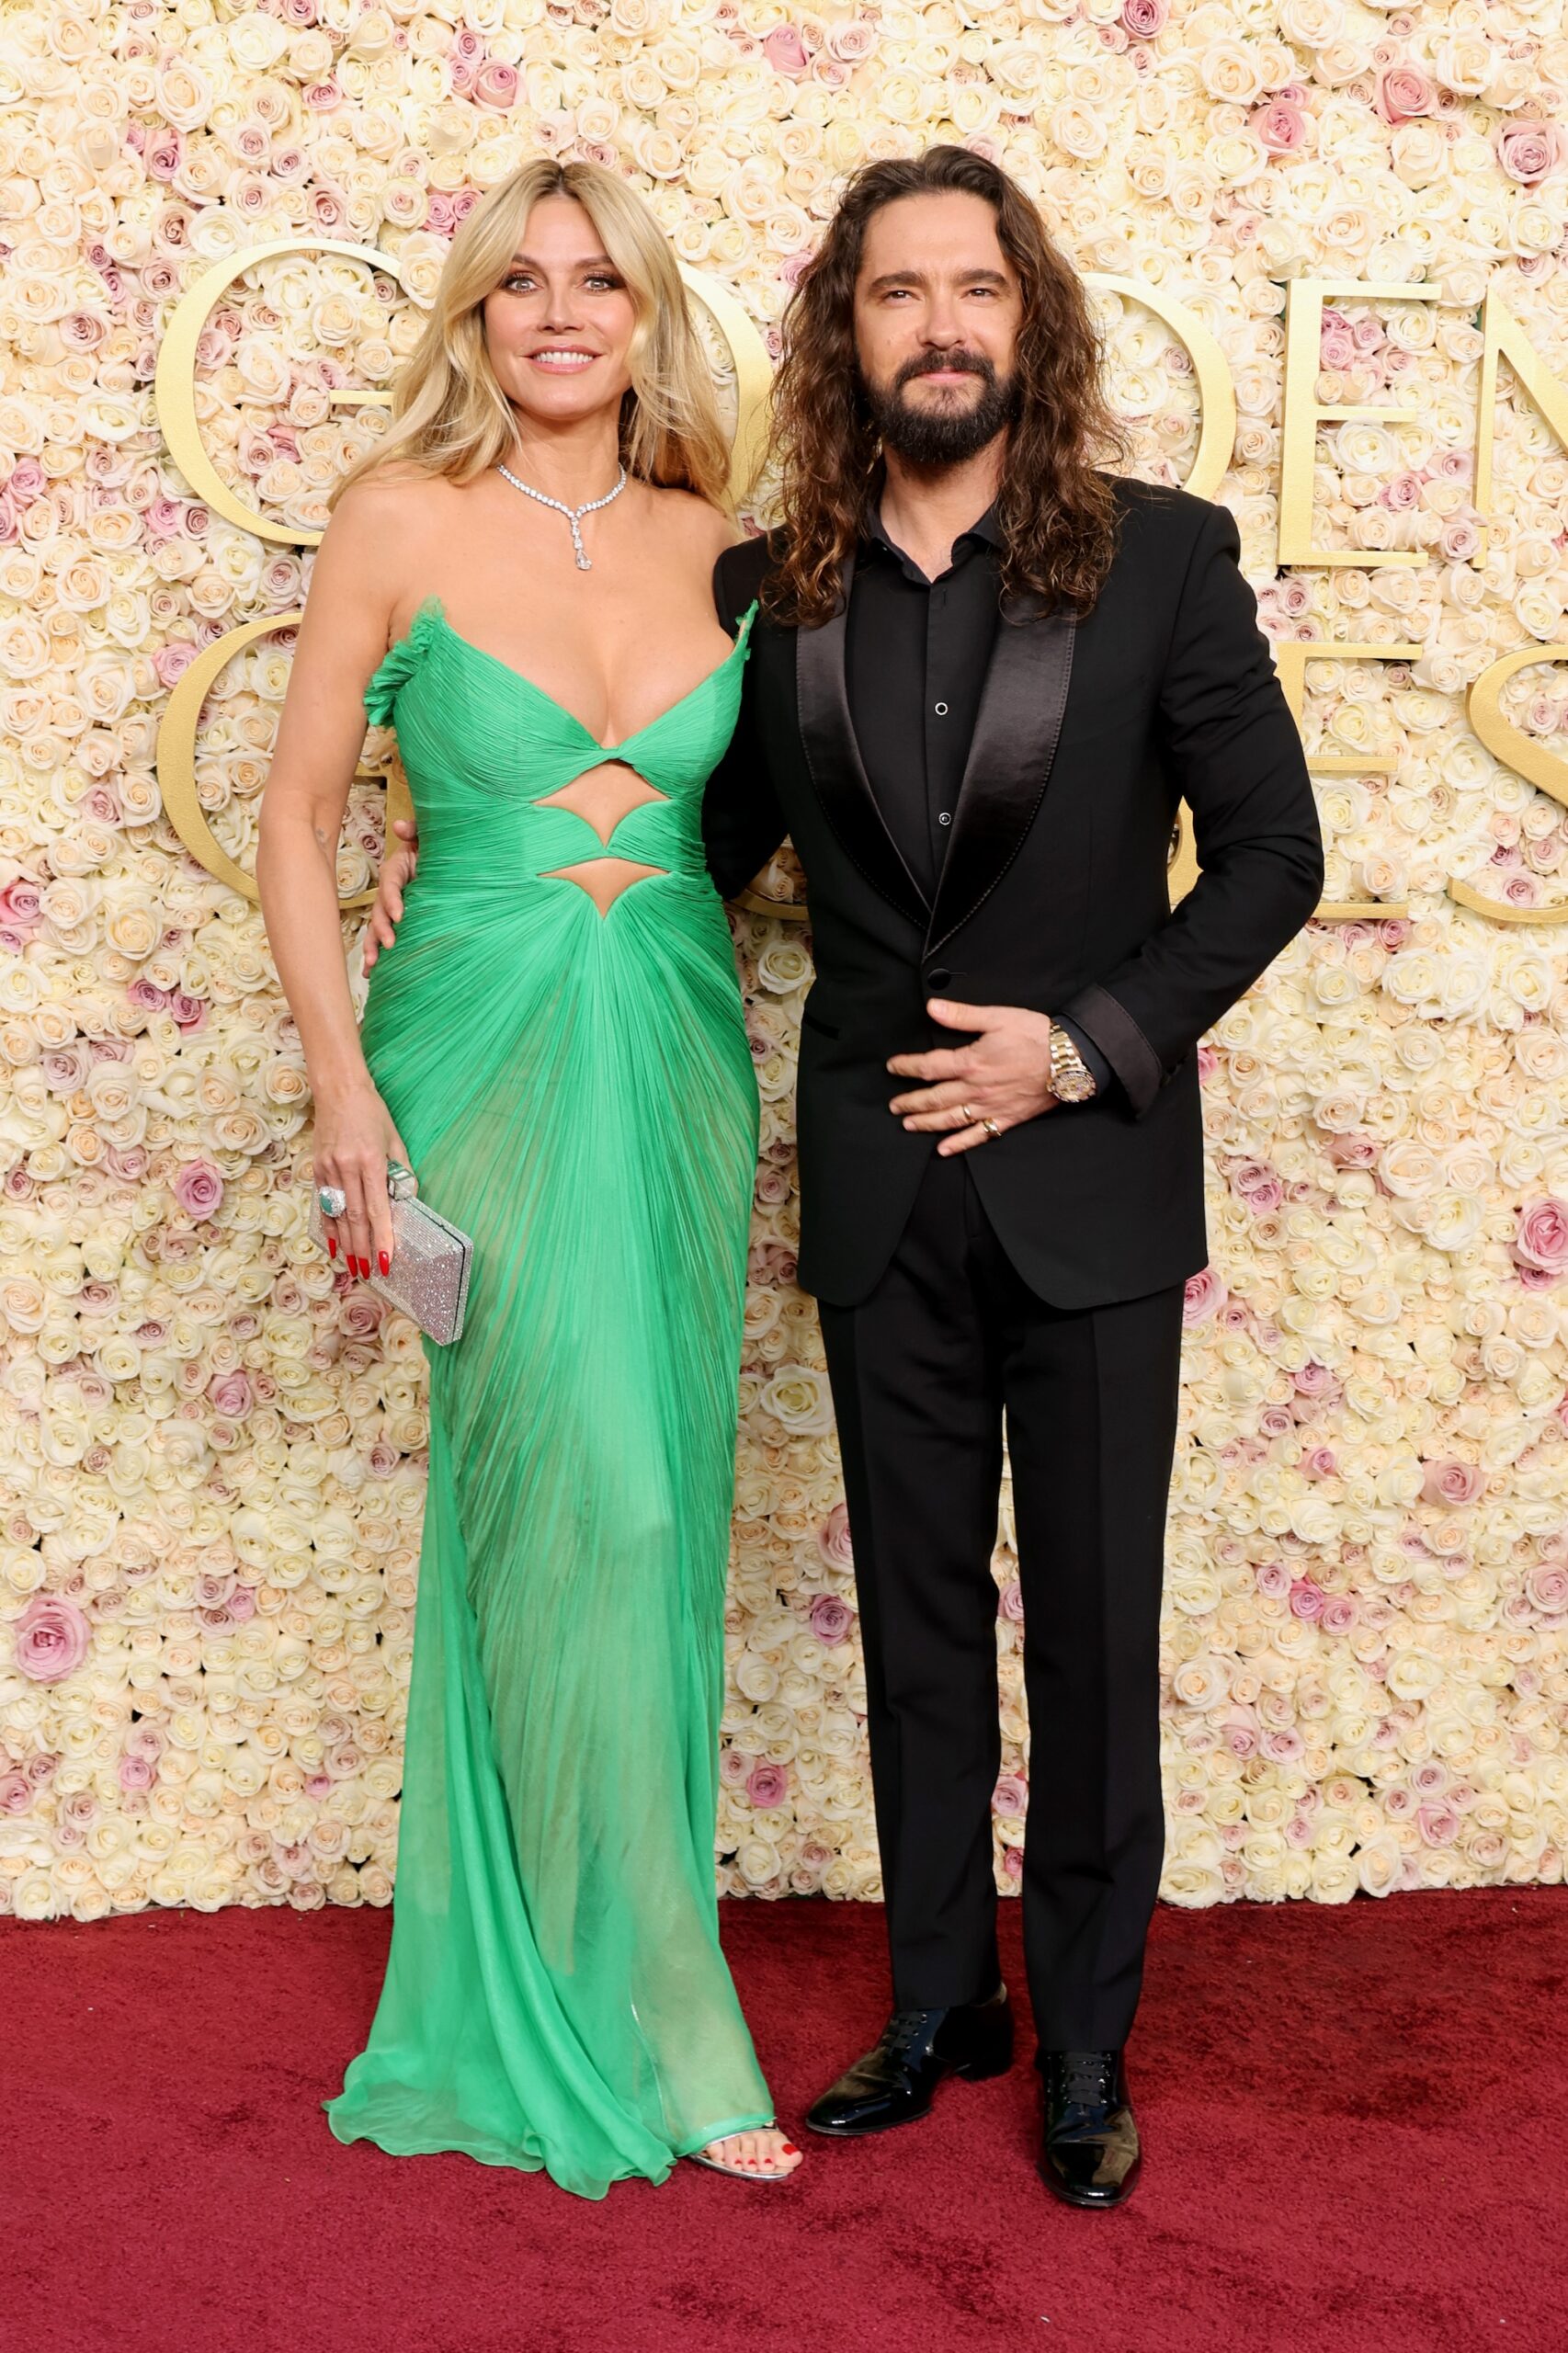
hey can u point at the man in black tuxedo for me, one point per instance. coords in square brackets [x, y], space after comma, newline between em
[984, 676]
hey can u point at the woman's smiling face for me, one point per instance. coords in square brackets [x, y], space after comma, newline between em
[560, 324]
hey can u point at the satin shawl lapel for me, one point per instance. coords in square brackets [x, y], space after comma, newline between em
[837, 772]
[1004, 777]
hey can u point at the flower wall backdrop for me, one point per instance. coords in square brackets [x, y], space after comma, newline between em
[211, 1450]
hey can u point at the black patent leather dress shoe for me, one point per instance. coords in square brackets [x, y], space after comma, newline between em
[897, 2081]
[1090, 2154]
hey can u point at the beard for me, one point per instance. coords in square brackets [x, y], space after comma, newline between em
[949, 435]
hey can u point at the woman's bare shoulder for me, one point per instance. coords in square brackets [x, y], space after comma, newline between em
[398, 492]
[704, 530]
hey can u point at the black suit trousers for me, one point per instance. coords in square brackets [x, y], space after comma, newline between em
[950, 1346]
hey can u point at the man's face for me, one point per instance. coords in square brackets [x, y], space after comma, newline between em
[938, 307]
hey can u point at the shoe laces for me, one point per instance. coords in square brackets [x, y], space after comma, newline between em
[1088, 2077]
[904, 2029]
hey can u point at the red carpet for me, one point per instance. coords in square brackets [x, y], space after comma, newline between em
[1353, 2121]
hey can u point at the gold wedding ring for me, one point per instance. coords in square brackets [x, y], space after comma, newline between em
[966, 1115]
[992, 1129]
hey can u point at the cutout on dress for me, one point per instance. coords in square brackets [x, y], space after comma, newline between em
[598, 877]
[604, 796]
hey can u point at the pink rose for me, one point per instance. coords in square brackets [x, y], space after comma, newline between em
[1144, 18]
[1451, 1483]
[16, 1793]
[833, 1539]
[1547, 1585]
[495, 85]
[135, 1773]
[52, 1639]
[1011, 1795]
[1404, 92]
[231, 1393]
[1205, 1296]
[198, 1189]
[1336, 344]
[1281, 128]
[767, 1786]
[1273, 1578]
[1256, 1183]
[1320, 1462]
[19, 908]
[1306, 1598]
[785, 51]
[172, 661]
[1543, 1236]
[1437, 1823]
[1530, 152]
[162, 154]
[830, 1619]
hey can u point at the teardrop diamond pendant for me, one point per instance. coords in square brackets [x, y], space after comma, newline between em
[573, 514]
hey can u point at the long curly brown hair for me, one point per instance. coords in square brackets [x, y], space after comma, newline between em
[1057, 512]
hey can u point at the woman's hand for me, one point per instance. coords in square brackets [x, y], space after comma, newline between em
[355, 1138]
[398, 869]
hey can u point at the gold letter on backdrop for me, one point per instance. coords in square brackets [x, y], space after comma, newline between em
[174, 400]
[1304, 333]
[1291, 660]
[1501, 332]
[1532, 761]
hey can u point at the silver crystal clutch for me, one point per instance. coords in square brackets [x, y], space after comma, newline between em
[430, 1259]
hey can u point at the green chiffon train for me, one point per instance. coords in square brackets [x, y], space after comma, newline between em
[576, 1091]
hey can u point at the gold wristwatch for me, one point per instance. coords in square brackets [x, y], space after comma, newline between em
[1072, 1080]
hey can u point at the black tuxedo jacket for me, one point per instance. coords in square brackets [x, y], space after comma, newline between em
[1052, 895]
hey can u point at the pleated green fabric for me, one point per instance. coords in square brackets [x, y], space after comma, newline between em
[576, 1091]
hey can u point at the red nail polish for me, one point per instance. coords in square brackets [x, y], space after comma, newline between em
[383, 1262]
[332, 1245]
[365, 1266]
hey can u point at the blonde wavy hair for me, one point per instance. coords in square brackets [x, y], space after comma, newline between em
[450, 415]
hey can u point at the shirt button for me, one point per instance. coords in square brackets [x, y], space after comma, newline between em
[944, 817]
[940, 709]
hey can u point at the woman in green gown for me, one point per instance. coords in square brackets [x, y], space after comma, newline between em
[517, 579]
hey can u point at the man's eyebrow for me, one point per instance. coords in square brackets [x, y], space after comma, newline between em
[917, 278]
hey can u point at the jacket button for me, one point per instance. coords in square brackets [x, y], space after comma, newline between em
[938, 978]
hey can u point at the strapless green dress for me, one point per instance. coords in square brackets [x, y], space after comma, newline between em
[576, 1091]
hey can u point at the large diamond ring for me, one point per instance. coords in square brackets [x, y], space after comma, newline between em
[333, 1198]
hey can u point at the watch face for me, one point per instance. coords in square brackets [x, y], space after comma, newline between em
[1071, 1081]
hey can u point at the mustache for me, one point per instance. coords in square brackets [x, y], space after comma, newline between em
[931, 363]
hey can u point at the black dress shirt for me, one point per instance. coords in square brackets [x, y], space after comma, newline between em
[915, 655]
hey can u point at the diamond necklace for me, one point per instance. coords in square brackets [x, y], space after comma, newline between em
[573, 514]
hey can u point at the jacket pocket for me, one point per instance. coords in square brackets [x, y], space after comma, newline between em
[810, 1020]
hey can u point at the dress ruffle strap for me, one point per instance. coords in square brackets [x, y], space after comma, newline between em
[399, 662]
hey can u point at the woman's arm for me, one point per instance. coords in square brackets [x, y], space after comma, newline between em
[319, 736]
